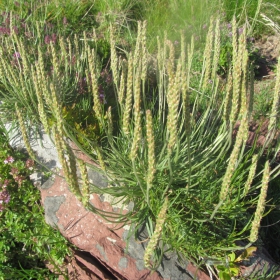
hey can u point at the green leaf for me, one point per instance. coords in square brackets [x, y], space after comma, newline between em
[223, 275]
[246, 254]
[234, 271]
[232, 257]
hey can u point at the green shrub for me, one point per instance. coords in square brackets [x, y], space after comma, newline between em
[26, 241]
[171, 149]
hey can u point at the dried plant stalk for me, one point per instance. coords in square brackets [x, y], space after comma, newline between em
[208, 56]
[261, 205]
[237, 63]
[24, 132]
[183, 51]
[114, 58]
[121, 93]
[151, 149]
[137, 52]
[171, 60]
[85, 183]
[42, 79]
[128, 100]
[63, 47]
[76, 44]
[173, 98]
[144, 51]
[69, 168]
[156, 235]
[41, 107]
[57, 110]
[137, 118]
[228, 98]
[251, 175]
[24, 90]
[54, 61]
[93, 81]
[244, 81]
[8, 72]
[1, 63]
[186, 70]
[240, 138]
[274, 115]
[109, 122]
[100, 159]
[72, 167]
[21, 50]
[217, 47]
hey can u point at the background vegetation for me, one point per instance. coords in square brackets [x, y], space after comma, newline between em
[156, 105]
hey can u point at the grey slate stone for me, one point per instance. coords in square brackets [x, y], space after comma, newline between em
[51, 205]
[98, 179]
[123, 263]
[170, 268]
[48, 184]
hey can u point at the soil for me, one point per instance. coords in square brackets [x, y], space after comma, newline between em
[267, 51]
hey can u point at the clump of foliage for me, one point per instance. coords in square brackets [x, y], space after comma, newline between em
[175, 160]
[167, 147]
[26, 241]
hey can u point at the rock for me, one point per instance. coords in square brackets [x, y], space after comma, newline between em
[105, 243]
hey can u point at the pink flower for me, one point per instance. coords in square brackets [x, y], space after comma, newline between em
[29, 163]
[102, 98]
[9, 159]
[4, 197]
[16, 55]
[6, 182]
[19, 179]
[47, 39]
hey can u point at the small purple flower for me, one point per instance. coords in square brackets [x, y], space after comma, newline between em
[240, 30]
[102, 98]
[5, 30]
[19, 179]
[29, 163]
[229, 25]
[54, 38]
[14, 171]
[6, 183]
[251, 40]
[9, 159]
[109, 79]
[16, 55]
[4, 197]
[47, 39]
[176, 42]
